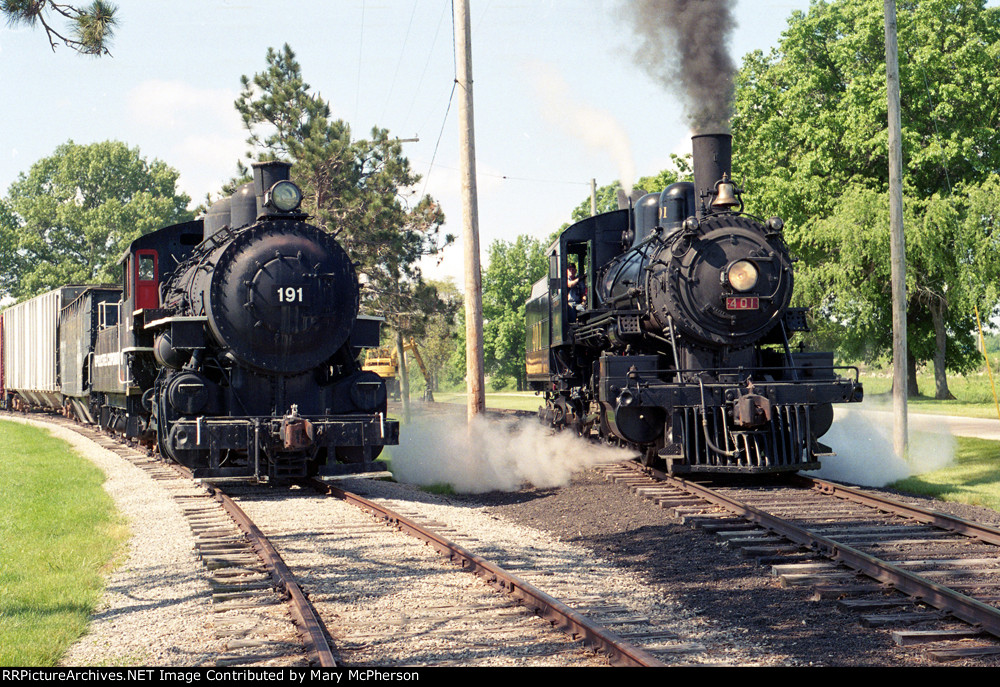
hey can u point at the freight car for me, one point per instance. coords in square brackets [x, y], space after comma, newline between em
[232, 345]
[676, 340]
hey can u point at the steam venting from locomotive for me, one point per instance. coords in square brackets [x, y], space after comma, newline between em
[597, 128]
[684, 42]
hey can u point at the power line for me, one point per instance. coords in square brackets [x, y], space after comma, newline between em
[361, 53]
[440, 133]
[427, 62]
[399, 61]
[508, 177]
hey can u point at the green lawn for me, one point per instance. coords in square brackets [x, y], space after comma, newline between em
[973, 394]
[509, 400]
[60, 533]
[973, 477]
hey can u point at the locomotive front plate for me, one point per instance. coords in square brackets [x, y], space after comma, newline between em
[742, 303]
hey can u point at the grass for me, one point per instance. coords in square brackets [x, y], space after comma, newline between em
[509, 400]
[60, 533]
[973, 395]
[973, 477]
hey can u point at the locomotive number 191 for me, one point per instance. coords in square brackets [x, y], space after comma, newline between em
[289, 294]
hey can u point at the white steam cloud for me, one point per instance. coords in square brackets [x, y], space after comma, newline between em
[493, 454]
[596, 128]
[862, 439]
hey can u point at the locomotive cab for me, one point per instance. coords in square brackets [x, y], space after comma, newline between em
[123, 365]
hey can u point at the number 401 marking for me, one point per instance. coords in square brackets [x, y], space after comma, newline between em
[290, 294]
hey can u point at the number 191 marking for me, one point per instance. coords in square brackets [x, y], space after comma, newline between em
[290, 294]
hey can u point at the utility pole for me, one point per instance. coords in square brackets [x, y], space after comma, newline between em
[593, 197]
[897, 242]
[470, 211]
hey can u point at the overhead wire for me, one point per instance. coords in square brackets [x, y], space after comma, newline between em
[399, 61]
[427, 62]
[361, 46]
[451, 98]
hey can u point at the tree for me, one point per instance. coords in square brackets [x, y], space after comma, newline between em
[356, 189]
[8, 247]
[90, 29]
[949, 246]
[512, 269]
[440, 336]
[607, 196]
[359, 190]
[811, 138]
[79, 209]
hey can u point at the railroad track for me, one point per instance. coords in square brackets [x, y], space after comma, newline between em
[269, 620]
[397, 603]
[931, 578]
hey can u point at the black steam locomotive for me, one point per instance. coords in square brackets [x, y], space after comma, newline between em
[233, 344]
[675, 341]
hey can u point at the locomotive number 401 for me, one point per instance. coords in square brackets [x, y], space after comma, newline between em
[742, 303]
[289, 294]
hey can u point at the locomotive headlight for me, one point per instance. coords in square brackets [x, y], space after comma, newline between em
[742, 275]
[284, 196]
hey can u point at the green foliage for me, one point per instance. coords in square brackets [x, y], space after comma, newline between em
[356, 189]
[8, 246]
[440, 335]
[992, 346]
[947, 255]
[513, 268]
[811, 117]
[77, 212]
[811, 134]
[90, 29]
[607, 196]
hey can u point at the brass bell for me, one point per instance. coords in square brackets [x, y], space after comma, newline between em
[725, 193]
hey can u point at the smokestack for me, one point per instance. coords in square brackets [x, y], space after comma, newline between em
[267, 174]
[712, 155]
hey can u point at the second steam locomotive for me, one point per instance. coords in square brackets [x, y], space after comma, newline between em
[675, 339]
[232, 344]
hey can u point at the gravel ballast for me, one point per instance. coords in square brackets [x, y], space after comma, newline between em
[592, 534]
[711, 579]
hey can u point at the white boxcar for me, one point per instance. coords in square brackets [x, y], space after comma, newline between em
[31, 347]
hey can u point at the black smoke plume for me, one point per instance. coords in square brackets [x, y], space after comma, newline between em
[683, 45]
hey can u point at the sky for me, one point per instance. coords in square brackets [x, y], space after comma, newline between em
[547, 74]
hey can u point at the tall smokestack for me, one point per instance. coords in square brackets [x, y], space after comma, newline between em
[711, 156]
[683, 43]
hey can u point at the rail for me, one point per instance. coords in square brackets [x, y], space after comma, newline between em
[943, 598]
[600, 639]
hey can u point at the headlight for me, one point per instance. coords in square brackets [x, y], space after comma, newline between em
[285, 196]
[742, 275]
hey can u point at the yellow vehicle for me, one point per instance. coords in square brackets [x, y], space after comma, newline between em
[381, 361]
[385, 363]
